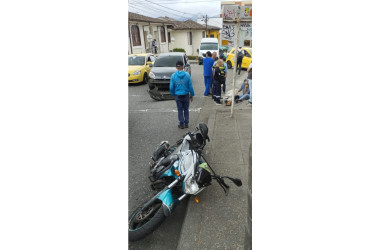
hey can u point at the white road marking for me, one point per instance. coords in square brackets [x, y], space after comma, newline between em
[161, 110]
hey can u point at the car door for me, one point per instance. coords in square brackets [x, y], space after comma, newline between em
[151, 59]
[187, 66]
[247, 59]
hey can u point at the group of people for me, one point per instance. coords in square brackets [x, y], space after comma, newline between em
[215, 70]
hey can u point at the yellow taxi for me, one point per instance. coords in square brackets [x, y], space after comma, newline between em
[247, 57]
[139, 67]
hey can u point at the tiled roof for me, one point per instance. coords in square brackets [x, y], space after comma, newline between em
[186, 25]
[141, 18]
[168, 19]
[191, 25]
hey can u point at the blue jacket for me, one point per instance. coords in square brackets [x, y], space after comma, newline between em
[208, 64]
[181, 84]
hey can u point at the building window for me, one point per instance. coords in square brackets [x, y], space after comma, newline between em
[212, 35]
[163, 38]
[135, 35]
[169, 39]
[189, 38]
[203, 34]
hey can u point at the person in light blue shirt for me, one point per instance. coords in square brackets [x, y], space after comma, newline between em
[245, 92]
[182, 90]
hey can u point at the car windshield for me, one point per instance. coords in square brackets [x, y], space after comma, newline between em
[209, 46]
[136, 60]
[167, 61]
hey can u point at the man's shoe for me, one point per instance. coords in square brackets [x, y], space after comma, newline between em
[185, 125]
[181, 127]
[218, 103]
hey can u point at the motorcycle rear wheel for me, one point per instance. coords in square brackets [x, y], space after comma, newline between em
[144, 221]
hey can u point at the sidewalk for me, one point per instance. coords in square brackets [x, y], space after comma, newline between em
[219, 221]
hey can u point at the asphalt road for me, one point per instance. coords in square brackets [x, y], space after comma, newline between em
[151, 122]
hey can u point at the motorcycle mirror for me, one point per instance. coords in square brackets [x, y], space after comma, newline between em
[204, 130]
[236, 181]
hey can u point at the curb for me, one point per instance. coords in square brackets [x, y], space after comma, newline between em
[194, 233]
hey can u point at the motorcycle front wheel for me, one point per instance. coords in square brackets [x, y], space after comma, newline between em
[144, 221]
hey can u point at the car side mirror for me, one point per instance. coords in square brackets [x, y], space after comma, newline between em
[197, 50]
[187, 65]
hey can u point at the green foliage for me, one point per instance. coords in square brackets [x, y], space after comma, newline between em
[193, 57]
[178, 50]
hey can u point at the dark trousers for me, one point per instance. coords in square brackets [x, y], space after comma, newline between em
[216, 91]
[183, 104]
[238, 66]
[224, 86]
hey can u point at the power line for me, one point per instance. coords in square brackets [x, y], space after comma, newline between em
[176, 2]
[170, 8]
[158, 11]
[149, 11]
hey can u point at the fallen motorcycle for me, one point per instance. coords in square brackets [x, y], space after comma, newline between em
[177, 171]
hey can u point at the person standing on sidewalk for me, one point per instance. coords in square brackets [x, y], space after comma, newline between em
[182, 90]
[225, 65]
[249, 77]
[218, 79]
[239, 60]
[154, 46]
[208, 64]
[215, 58]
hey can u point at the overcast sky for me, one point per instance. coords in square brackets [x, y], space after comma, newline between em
[174, 8]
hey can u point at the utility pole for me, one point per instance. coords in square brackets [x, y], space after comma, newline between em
[206, 25]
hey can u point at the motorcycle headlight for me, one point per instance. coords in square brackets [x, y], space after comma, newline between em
[190, 185]
[136, 73]
[151, 75]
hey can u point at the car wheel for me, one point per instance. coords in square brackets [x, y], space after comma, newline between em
[145, 78]
[229, 65]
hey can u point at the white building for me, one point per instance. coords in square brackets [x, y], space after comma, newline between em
[188, 35]
[141, 26]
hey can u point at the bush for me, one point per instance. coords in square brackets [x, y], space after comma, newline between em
[193, 57]
[178, 50]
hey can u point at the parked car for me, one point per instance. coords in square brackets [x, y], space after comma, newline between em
[163, 68]
[139, 67]
[247, 58]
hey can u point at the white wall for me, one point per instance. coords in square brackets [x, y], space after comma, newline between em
[162, 47]
[181, 41]
[141, 48]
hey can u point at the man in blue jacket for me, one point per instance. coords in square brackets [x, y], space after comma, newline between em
[182, 90]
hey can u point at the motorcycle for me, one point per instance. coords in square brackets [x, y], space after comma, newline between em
[177, 171]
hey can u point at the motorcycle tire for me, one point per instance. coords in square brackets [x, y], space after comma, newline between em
[144, 221]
